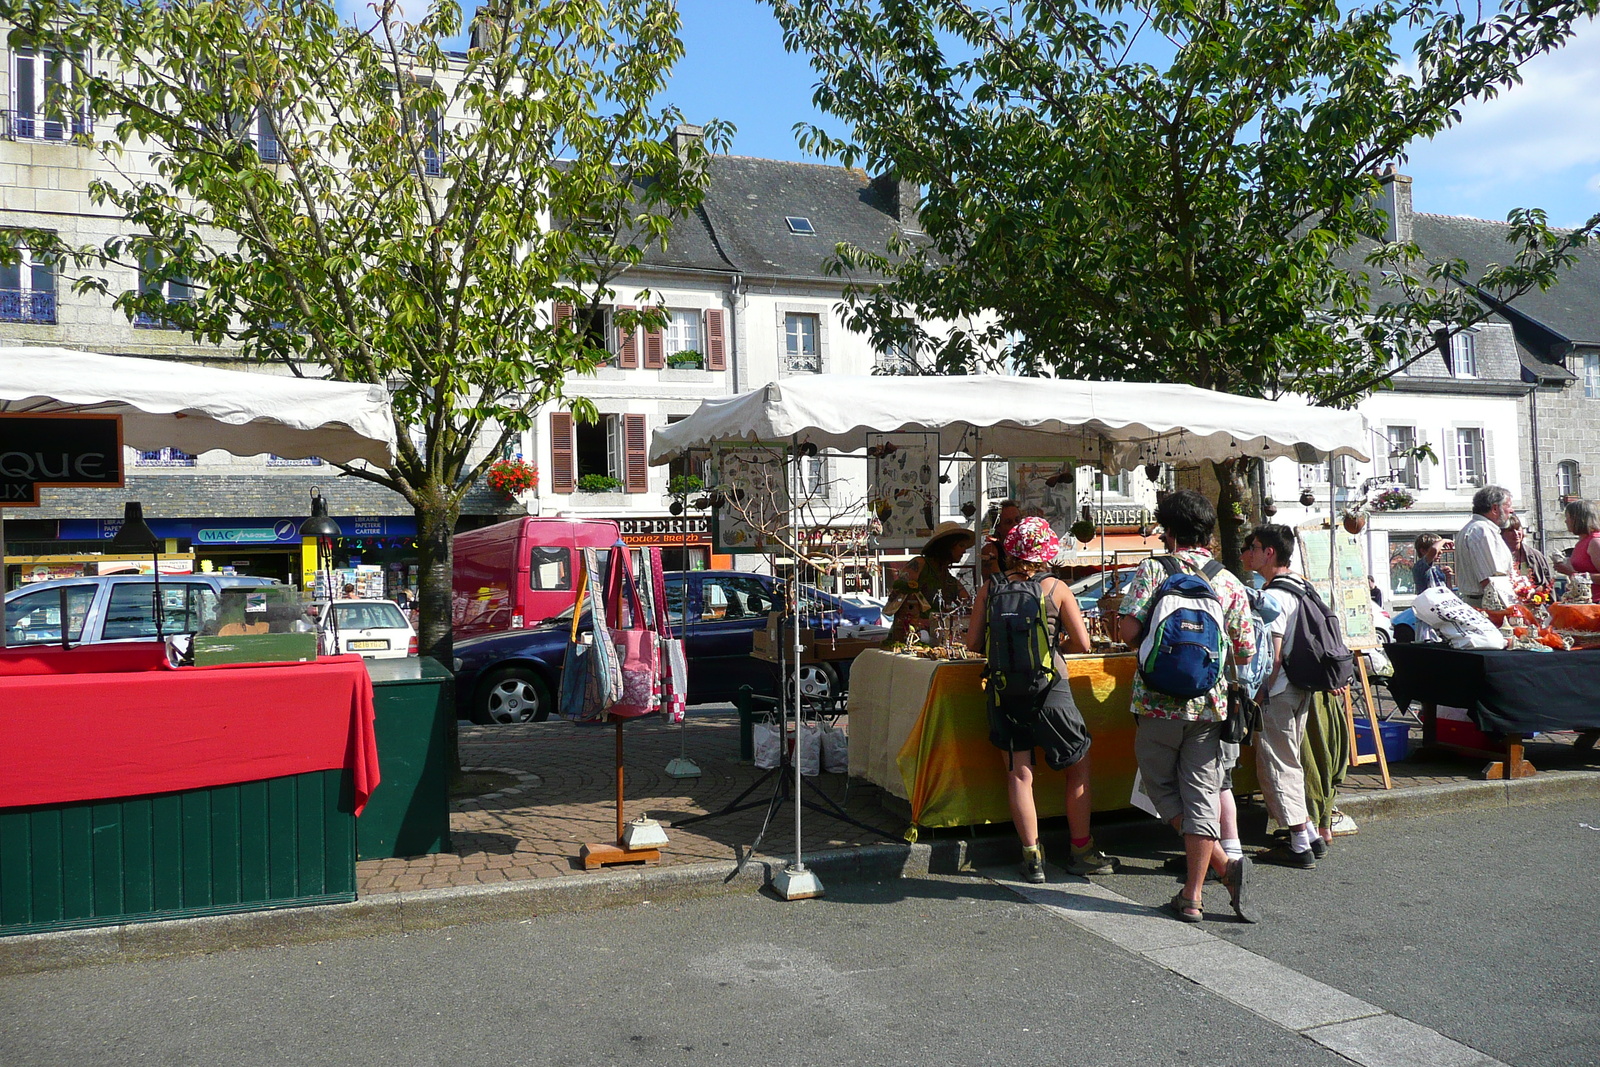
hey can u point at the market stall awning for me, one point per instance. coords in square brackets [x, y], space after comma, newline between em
[179, 405]
[1117, 425]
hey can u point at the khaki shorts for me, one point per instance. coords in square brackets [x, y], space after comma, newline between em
[1181, 763]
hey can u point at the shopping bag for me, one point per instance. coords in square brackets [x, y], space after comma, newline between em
[835, 751]
[676, 702]
[810, 754]
[767, 745]
[638, 646]
[590, 679]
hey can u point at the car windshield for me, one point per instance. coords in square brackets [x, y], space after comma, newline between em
[370, 617]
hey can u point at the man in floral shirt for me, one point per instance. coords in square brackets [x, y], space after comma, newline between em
[1178, 744]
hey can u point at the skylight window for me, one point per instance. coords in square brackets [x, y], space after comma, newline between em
[798, 224]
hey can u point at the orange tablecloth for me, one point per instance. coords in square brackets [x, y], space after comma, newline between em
[70, 737]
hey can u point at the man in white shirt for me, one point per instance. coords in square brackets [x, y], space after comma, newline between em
[1268, 550]
[1481, 552]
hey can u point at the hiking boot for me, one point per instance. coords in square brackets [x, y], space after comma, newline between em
[1090, 860]
[1284, 856]
[1033, 864]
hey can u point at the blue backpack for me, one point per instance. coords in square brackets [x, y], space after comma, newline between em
[1262, 612]
[1185, 640]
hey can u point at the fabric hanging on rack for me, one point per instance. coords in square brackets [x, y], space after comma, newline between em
[637, 645]
[675, 663]
[591, 680]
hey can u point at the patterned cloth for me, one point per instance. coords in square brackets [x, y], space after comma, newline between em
[1033, 541]
[1208, 707]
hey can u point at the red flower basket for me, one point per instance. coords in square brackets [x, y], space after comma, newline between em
[512, 476]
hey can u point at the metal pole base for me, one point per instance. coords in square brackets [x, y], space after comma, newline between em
[682, 767]
[797, 883]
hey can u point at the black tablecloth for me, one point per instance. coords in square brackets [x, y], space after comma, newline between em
[1504, 691]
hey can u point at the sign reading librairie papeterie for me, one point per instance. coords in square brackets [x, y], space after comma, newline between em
[57, 450]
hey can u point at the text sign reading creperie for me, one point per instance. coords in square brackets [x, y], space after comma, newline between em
[57, 450]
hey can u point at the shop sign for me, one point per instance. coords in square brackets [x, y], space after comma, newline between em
[274, 531]
[1113, 515]
[666, 530]
[57, 450]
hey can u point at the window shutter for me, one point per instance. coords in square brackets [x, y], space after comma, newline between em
[1487, 436]
[636, 470]
[1424, 468]
[716, 346]
[627, 343]
[1452, 459]
[563, 453]
[564, 310]
[654, 351]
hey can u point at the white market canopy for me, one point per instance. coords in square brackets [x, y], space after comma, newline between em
[1115, 424]
[180, 405]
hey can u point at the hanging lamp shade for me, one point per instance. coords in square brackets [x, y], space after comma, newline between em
[320, 524]
[135, 535]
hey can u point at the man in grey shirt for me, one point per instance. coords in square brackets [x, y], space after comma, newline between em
[1481, 552]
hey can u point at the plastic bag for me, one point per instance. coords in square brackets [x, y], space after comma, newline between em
[835, 751]
[768, 745]
[810, 749]
[1460, 625]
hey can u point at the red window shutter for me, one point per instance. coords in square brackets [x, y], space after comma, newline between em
[654, 350]
[636, 468]
[563, 453]
[564, 310]
[716, 346]
[627, 344]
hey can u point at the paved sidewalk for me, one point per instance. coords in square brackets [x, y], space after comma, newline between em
[565, 784]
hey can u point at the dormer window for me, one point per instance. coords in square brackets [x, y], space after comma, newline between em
[801, 225]
[1464, 354]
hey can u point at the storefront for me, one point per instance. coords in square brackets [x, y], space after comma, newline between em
[684, 540]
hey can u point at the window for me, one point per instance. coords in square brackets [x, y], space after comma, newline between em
[279, 461]
[164, 457]
[732, 597]
[155, 278]
[260, 129]
[896, 359]
[594, 324]
[35, 618]
[814, 477]
[800, 224]
[185, 608]
[1101, 482]
[599, 452]
[1401, 466]
[549, 568]
[1464, 354]
[683, 333]
[40, 78]
[800, 351]
[28, 288]
[1313, 474]
[1591, 375]
[1568, 485]
[1471, 459]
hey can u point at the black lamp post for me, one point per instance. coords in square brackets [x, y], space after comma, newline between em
[136, 536]
[321, 526]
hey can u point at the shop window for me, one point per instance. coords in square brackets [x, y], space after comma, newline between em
[28, 288]
[41, 79]
[164, 457]
[1568, 484]
[35, 618]
[801, 352]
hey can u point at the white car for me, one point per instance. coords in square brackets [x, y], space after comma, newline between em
[374, 629]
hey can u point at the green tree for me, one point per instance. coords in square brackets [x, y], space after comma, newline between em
[1166, 191]
[354, 201]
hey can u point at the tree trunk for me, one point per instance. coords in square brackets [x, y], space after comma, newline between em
[436, 524]
[1233, 493]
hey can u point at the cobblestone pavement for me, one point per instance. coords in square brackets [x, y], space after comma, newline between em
[565, 785]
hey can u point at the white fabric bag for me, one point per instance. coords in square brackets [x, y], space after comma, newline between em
[835, 750]
[1461, 625]
[810, 755]
[767, 743]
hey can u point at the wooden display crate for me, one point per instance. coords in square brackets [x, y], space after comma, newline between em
[774, 643]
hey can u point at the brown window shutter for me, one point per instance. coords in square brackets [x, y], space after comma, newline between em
[627, 344]
[716, 347]
[563, 453]
[564, 310]
[636, 468]
[654, 350]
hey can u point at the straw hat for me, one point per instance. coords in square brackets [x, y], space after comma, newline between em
[946, 530]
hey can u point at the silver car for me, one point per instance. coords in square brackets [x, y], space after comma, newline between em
[114, 607]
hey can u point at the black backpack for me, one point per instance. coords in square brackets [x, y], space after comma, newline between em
[1315, 656]
[1021, 669]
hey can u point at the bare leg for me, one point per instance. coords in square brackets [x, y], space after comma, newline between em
[1019, 793]
[1229, 817]
[1078, 799]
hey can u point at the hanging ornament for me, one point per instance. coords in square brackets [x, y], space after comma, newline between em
[1307, 498]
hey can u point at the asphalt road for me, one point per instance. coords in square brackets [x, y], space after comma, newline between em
[1479, 926]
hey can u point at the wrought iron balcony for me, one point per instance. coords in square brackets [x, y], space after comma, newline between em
[28, 305]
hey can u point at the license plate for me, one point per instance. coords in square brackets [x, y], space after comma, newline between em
[365, 646]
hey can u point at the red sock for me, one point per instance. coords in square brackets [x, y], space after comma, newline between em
[1081, 842]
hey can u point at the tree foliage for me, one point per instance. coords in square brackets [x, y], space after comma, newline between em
[355, 201]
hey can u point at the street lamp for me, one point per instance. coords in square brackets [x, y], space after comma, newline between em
[321, 526]
[136, 536]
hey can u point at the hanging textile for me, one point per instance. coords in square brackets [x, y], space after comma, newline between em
[675, 663]
[591, 678]
[637, 645]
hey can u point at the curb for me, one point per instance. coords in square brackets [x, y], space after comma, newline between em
[409, 912]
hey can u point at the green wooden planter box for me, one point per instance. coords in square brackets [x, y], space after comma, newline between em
[414, 709]
[284, 842]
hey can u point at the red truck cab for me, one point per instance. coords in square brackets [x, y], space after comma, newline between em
[517, 574]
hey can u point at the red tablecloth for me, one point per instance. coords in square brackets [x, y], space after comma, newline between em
[91, 736]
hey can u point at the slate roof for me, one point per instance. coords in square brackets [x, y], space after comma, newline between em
[741, 224]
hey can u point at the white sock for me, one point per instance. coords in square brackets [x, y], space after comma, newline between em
[1231, 846]
[1300, 840]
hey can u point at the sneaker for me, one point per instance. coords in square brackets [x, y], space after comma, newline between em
[1090, 860]
[1033, 864]
[1319, 847]
[1284, 856]
[1343, 825]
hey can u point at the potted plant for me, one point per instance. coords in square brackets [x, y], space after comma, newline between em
[688, 359]
[1355, 520]
[684, 484]
[511, 477]
[1392, 499]
[598, 483]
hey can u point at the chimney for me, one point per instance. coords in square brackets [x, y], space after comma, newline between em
[684, 137]
[1394, 200]
[900, 198]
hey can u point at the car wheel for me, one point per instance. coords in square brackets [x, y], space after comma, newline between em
[819, 684]
[511, 694]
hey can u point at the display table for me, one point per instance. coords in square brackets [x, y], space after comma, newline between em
[1505, 692]
[133, 791]
[919, 729]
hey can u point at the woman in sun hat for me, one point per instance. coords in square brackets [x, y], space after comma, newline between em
[926, 585]
[1055, 724]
